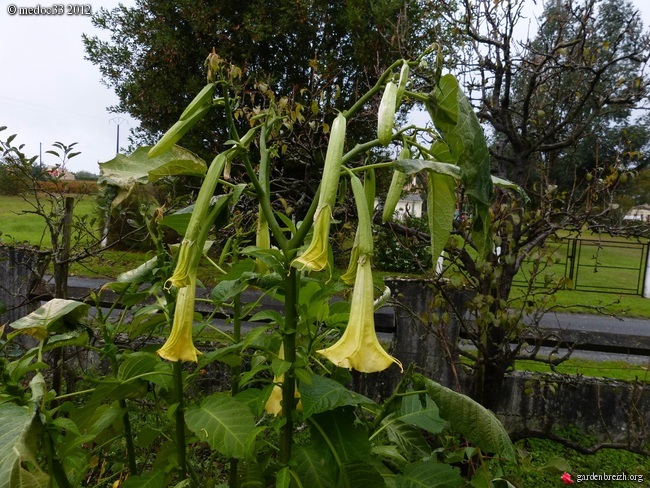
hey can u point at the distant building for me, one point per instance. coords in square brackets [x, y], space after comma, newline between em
[410, 205]
[61, 174]
[642, 212]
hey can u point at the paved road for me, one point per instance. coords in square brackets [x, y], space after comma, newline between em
[621, 338]
[598, 323]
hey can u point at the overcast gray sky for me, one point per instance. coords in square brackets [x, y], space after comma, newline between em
[49, 93]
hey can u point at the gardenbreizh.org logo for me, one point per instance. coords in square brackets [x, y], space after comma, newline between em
[579, 478]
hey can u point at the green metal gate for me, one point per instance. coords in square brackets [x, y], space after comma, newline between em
[606, 266]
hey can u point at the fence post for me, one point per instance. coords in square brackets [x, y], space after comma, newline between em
[646, 276]
[21, 269]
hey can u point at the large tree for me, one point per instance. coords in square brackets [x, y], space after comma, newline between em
[318, 54]
[585, 69]
[547, 102]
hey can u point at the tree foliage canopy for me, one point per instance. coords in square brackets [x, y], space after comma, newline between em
[307, 50]
[578, 78]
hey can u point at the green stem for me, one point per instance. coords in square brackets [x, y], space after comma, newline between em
[126, 422]
[368, 167]
[128, 437]
[57, 471]
[180, 419]
[234, 375]
[358, 149]
[371, 93]
[265, 204]
[307, 223]
[289, 384]
[262, 194]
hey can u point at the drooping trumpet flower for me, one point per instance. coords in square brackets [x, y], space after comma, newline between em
[363, 237]
[263, 236]
[315, 257]
[274, 403]
[179, 345]
[358, 348]
[191, 247]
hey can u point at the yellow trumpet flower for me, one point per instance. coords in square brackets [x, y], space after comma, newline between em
[181, 276]
[358, 348]
[179, 345]
[315, 257]
[363, 238]
[274, 403]
[351, 273]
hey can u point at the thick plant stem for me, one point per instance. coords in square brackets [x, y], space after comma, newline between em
[57, 471]
[128, 437]
[234, 374]
[128, 432]
[289, 384]
[180, 419]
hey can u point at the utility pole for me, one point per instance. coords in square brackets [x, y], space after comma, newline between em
[118, 121]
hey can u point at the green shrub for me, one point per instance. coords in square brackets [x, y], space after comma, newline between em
[402, 247]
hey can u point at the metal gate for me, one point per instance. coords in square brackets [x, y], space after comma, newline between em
[606, 266]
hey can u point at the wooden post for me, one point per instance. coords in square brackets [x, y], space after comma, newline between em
[61, 265]
[61, 269]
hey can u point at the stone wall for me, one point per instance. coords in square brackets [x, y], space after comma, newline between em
[610, 411]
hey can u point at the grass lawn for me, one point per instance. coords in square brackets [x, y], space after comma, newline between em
[545, 461]
[17, 226]
[618, 370]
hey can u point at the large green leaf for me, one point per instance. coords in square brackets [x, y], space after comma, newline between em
[471, 419]
[140, 274]
[57, 315]
[312, 469]
[337, 433]
[462, 133]
[441, 205]
[283, 478]
[412, 166]
[78, 338]
[461, 130]
[324, 394]
[136, 364]
[426, 416]
[251, 475]
[430, 475]
[126, 171]
[150, 480]
[509, 185]
[407, 438]
[15, 449]
[225, 423]
[355, 475]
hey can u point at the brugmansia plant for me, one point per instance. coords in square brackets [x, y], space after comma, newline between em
[288, 419]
